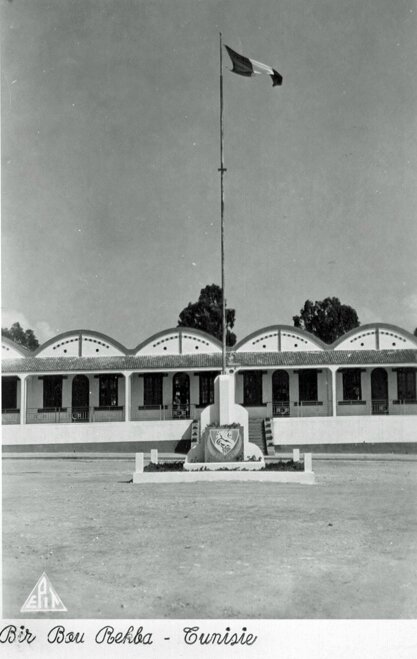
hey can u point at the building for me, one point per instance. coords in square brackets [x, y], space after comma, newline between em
[85, 389]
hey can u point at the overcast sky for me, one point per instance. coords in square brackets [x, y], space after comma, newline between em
[110, 109]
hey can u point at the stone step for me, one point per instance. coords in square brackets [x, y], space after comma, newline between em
[195, 431]
[257, 435]
[269, 437]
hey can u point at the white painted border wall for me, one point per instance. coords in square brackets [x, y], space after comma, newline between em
[303, 477]
[286, 431]
[77, 433]
[344, 430]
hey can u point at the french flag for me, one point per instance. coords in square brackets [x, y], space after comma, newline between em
[244, 66]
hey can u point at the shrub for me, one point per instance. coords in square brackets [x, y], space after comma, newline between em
[281, 465]
[164, 466]
[284, 465]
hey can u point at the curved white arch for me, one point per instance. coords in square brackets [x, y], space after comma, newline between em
[81, 343]
[178, 341]
[376, 336]
[280, 338]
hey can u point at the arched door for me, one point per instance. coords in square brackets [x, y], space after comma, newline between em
[379, 391]
[80, 399]
[181, 396]
[280, 393]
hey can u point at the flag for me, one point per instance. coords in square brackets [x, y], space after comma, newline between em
[244, 66]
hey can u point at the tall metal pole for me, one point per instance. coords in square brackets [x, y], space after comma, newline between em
[222, 170]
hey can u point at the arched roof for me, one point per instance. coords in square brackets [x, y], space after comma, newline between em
[186, 336]
[80, 334]
[376, 336]
[274, 344]
[10, 346]
[276, 339]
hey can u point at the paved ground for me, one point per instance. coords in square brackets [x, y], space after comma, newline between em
[343, 548]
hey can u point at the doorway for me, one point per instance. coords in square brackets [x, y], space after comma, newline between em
[280, 393]
[80, 399]
[181, 396]
[379, 391]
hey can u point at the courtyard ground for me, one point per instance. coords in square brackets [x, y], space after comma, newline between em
[342, 548]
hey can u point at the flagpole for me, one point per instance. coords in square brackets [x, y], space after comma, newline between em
[222, 170]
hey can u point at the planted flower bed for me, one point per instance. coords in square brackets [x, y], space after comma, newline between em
[164, 466]
[282, 471]
[281, 465]
[284, 465]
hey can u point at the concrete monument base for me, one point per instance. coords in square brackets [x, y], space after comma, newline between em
[303, 477]
[220, 471]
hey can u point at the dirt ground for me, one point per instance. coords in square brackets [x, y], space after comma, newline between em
[343, 548]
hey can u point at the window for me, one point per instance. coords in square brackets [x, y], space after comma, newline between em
[252, 388]
[152, 389]
[207, 388]
[52, 391]
[307, 385]
[109, 385]
[352, 384]
[406, 381]
[9, 394]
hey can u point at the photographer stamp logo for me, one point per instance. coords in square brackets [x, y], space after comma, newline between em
[43, 598]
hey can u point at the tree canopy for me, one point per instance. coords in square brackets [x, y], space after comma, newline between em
[23, 337]
[327, 319]
[206, 314]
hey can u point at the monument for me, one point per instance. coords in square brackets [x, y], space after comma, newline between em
[224, 440]
[223, 451]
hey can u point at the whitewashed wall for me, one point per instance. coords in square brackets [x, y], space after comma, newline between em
[62, 433]
[345, 430]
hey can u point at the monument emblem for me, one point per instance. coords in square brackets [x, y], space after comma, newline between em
[223, 444]
[224, 439]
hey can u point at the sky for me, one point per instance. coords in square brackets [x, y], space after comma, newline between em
[110, 156]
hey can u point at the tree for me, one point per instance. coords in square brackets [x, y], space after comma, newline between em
[328, 319]
[206, 314]
[415, 332]
[23, 337]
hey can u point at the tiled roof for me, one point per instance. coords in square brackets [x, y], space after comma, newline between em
[121, 363]
[327, 358]
[210, 361]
